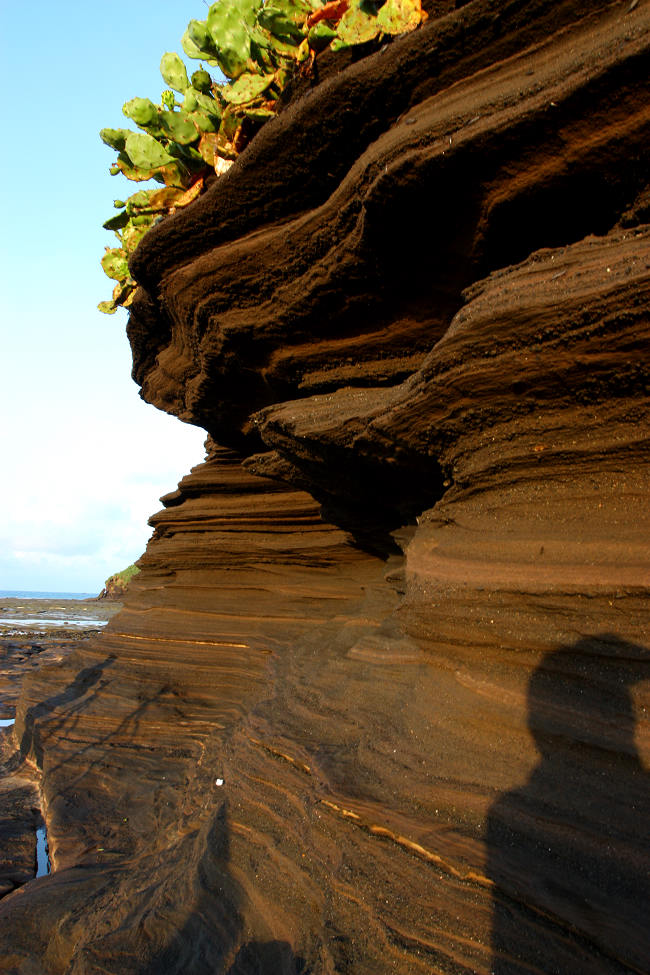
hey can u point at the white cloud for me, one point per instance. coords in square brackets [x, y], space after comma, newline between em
[76, 508]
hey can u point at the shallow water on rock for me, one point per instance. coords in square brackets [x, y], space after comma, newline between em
[43, 866]
[14, 625]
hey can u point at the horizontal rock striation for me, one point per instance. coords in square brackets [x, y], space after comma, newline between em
[539, 149]
[378, 699]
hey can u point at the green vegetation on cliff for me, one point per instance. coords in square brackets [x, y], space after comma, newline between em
[117, 584]
[185, 144]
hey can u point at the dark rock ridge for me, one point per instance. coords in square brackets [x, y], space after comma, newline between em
[378, 699]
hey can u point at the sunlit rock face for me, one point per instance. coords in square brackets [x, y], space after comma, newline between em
[378, 700]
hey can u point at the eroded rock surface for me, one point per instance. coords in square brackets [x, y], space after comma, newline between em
[378, 700]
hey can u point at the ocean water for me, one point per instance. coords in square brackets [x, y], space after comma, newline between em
[30, 594]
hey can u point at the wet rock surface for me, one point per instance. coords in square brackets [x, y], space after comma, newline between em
[378, 699]
[34, 634]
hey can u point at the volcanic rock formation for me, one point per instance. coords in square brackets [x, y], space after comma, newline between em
[378, 699]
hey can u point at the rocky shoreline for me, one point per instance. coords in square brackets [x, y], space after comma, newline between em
[34, 634]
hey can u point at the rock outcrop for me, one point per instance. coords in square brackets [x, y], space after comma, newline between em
[378, 699]
[117, 584]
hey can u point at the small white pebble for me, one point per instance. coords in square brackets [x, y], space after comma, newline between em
[218, 781]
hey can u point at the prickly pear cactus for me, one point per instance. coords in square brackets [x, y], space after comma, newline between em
[185, 145]
[247, 88]
[173, 71]
[231, 24]
[399, 16]
[197, 43]
[142, 111]
[202, 81]
[285, 18]
[115, 138]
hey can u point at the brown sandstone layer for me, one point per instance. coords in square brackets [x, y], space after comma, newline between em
[378, 700]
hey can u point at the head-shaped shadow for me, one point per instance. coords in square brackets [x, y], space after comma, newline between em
[267, 958]
[569, 851]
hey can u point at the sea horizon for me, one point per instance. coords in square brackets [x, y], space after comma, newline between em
[44, 594]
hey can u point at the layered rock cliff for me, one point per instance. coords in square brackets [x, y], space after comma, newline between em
[378, 699]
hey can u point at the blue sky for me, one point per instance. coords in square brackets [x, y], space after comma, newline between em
[84, 459]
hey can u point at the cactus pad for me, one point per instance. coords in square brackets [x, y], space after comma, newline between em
[115, 263]
[115, 138]
[179, 127]
[247, 87]
[231, 24]
[142, 111]
[144, 152]
[173, 71]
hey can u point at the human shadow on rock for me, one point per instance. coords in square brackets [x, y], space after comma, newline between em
[210, 940]
[569, 851]
[267, 958]
[78, 688]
